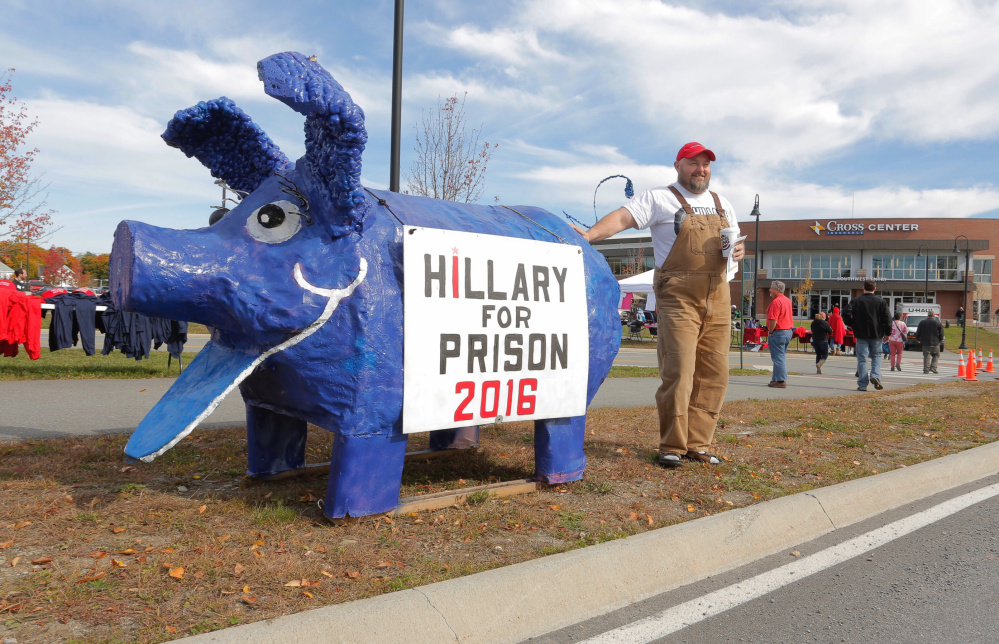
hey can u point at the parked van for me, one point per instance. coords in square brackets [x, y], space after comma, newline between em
[912, 315]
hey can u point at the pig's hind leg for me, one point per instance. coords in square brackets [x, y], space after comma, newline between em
[558, 449]
[275, 442]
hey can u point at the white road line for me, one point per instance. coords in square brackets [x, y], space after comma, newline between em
[686, 614]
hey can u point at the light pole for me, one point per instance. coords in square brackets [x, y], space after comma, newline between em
[629, 191]
[396, 98]
[926, 272]
[964, 303]
[756, 253]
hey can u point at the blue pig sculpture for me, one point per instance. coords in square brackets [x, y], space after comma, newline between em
[302, 286]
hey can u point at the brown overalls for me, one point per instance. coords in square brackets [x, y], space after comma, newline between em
[694, 322]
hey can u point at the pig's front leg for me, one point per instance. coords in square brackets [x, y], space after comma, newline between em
[558, 449]
[365, 473]
[275, 442]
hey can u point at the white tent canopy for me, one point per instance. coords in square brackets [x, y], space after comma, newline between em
[641, 283]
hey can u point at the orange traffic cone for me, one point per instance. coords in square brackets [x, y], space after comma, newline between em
[970, 377]
[972, 362]
[960, 364]
[988, 367]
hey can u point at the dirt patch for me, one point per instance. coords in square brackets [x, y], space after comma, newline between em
[96, 550]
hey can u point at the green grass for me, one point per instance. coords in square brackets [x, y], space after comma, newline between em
[74, 364]
[985, 340]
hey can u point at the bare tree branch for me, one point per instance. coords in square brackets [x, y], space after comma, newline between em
[450, 163]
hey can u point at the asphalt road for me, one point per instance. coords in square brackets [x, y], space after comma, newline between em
[934, 584]
[51, 408]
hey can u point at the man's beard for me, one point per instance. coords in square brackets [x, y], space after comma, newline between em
[697, 185]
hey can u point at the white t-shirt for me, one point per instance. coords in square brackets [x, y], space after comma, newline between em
[656, 209]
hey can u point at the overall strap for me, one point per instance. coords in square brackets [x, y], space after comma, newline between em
[683, 202]
[718, 206]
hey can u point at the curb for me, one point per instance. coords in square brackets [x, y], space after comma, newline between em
[528, 599]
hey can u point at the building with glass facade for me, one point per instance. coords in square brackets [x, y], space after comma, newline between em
[824, 263]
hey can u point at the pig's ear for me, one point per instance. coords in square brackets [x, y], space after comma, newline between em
[227, 142]
[334, 133]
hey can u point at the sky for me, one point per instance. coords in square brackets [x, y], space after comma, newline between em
[827, 109]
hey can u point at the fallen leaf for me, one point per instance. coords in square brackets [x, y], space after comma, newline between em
[795, 553]
[126, 469]
[6, 544]
[92, 577]
[13, 562]
[127, 551]
[307, 594]
[554, 507]
[249, 599]
[141, 391]
[199, 575]
[246, 589]
[177, 573]
[170, 629]
[294, 583]
[115, 563]
[168, 550]
[353, 574]
[22, 524]
[202, 509]
[649, 517]
[328, 573]
[384, 564]
[41, 561]
[67, 499]
[321, 549]
[238, 569]
[690, 508]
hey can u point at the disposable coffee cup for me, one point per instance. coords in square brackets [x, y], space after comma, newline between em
[729, 238]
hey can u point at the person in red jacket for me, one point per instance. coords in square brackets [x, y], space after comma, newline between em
[838, 331]
[779, 326]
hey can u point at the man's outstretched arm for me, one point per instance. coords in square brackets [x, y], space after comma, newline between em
[615, 222]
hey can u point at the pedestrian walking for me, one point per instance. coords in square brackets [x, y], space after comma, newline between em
[838, 331]
[896, 342]
[930, 335]
[821, 332]
[779, 323]
[870, 319]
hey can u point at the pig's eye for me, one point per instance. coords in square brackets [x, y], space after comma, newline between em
[275, 222]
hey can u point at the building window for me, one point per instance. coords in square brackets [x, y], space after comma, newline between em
[982, 310]
[814, 265]
[983, 270]
[898, 266]
[896, 299]
[627, 266]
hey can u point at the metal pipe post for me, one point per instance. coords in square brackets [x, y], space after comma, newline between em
[396, 98]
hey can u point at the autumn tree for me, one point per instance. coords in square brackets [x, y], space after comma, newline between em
[96, 266]
[23, 216]
[450, 163]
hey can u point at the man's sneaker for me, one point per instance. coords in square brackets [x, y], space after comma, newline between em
[877, 384]
[861, 388]
[702, 457]
[669, 459]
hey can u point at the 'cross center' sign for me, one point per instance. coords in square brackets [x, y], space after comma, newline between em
[495, 329]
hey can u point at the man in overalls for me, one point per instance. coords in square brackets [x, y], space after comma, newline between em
[693, 300]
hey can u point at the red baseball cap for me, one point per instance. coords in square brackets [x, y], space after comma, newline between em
[692, 149]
